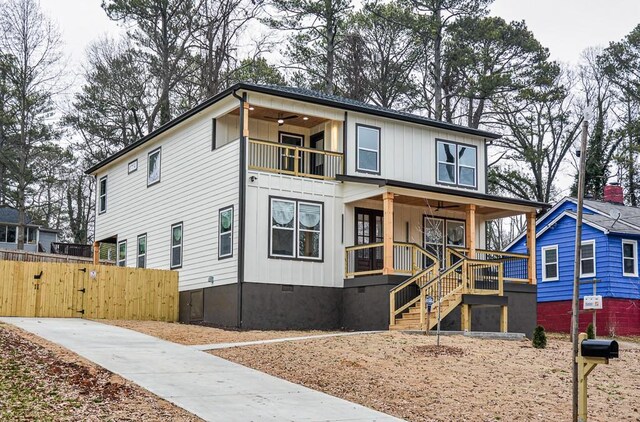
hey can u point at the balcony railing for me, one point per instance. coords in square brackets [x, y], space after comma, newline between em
[408, 259]
[295, 161]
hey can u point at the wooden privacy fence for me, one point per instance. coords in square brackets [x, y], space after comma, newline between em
[14, 255]
[65, 290]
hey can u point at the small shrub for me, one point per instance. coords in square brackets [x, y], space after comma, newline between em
[591, 332]
[539, 338]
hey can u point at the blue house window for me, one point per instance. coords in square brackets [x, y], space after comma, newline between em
[588, 258]
[630, 258]
[550, 263]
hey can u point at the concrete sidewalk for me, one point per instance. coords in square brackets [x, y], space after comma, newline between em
[216, 346]
[205, 385]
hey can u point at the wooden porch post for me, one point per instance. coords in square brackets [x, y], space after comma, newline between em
[245, 121]
[466, 317]
[96, 253]
[470, 231]
[531, 246]
[387, 200]
[504, 316]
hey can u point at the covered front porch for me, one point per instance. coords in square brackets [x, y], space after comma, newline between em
[435, 238]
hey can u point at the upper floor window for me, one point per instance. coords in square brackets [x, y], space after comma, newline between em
[122, 253]
[102, 207]
[550, 263]
[296, 223]
[630, 258]
[368, 149]
[176, 246]
[588, 259]
[457, 164]
[225, 233]
[142, 251]
[153, 167]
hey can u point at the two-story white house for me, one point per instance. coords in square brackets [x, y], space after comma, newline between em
[287, 208]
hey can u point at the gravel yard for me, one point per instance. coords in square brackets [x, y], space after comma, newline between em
[44, 382]
[188, 334]
[465, 380]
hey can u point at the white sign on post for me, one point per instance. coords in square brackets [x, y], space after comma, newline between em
[592, 302]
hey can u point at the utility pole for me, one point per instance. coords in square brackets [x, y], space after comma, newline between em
[576, 268]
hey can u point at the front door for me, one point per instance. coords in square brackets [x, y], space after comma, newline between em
[369, 229]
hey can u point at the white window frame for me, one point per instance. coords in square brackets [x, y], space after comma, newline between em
[138, 255]
[456, 164]
[359, 148]
[634, 243]
[544, 263]
[101, 195]
[172, 265]
[296, 230]
[593, 245]
[159, 152]
[227, 234]
[122, 262]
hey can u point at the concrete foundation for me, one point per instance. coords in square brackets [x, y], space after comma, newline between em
[363, 304]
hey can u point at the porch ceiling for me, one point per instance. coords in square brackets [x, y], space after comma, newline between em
[272, 115]
[488, 212]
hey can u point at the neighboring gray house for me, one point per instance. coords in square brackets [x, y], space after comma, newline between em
[37, 239]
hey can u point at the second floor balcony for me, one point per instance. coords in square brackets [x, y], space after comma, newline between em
[294, 160]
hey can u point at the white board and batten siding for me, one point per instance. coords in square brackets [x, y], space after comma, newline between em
[259, 267]
[195, 184]
[408, 150]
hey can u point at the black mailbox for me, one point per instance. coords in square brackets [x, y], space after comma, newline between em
[599, 348]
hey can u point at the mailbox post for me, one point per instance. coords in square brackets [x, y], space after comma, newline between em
[590, 354]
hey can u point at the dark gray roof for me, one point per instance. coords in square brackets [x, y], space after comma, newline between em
[10, 215]
[628, 221]
[302, 95]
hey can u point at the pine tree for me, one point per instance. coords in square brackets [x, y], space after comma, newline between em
[539, 338]
[591, 332]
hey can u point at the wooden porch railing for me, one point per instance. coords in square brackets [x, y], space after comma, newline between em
[516, 266]
[293, 160]
[408, 259]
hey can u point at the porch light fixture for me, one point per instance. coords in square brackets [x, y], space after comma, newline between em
[280, 121]
[251, 108]
[305, 118]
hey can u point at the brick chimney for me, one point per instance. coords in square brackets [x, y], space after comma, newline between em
[613, 193]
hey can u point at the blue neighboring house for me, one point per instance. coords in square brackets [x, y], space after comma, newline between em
[609, 254]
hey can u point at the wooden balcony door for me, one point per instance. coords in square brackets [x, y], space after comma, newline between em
[369, 229]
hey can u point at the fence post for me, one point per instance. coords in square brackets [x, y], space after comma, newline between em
[392, 308]
[501, 279]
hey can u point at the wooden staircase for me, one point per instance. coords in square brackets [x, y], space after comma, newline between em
[410, 319]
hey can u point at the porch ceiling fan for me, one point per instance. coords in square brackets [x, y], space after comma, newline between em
[281, 118]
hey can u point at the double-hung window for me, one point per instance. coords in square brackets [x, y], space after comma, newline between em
[176, 246]
[153, 167]
[296, 229]
[630, 258]
[31, 233]
[457, 164]
[550, 263]
[102, 201]
[368, 149]
[122, 253]
[225, 232]
[588, 258]
[142, 251]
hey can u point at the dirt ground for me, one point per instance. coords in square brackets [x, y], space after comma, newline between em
[40, 381]
[465, 380]
[199, 334]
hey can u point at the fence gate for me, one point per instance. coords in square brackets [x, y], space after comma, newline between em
[62, 290]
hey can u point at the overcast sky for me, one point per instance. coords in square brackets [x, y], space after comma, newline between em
[566, 27]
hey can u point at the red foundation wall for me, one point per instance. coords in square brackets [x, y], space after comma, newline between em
[620, 317]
